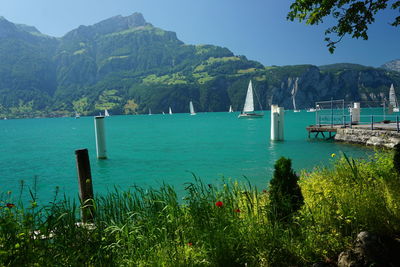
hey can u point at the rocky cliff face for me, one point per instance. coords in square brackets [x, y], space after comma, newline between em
[319, 84]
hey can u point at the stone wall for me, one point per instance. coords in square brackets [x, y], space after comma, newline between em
[368, 137]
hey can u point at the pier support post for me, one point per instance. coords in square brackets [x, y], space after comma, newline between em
[85, 185]
[372, 122]
[355, 113]
[100, 137]
[277, 123]
[351, 121]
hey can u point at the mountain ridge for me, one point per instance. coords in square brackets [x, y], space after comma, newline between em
[126, 65]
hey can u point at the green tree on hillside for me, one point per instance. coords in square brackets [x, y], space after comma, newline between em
[131, 107]
[353, 17]
[108, 100]
[81, 105]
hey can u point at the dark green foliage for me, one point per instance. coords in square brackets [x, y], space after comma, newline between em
[284, 192]
[353, 17]
[396, 158]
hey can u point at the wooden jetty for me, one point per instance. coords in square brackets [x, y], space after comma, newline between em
[322, 129]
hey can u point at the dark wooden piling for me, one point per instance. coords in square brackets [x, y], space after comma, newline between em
[85, 185]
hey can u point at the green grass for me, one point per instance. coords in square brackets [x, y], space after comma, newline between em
[212, 225]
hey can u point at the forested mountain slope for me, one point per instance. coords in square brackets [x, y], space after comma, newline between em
[126, 65]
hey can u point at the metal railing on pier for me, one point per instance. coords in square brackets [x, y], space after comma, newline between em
[373, 121]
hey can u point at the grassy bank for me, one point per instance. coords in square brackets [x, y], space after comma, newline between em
[213, 225]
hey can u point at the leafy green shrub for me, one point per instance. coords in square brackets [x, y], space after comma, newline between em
[396, 158]
[353, 196]
[284, 192]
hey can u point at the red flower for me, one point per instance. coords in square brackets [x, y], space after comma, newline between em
[219, 204]
[237, 210]
[10, 205]
[190, 244]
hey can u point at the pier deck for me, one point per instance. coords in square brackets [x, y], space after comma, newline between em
[329, 129]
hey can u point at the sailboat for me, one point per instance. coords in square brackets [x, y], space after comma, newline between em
[77, 116]
[170, 111]
[150, 111]
[230, 109]
[248, 109]
[106, 114]
[393, 99]
[191, 108]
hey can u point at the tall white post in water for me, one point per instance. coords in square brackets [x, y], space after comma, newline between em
[100, 137]
[277, 123]
[355, 113]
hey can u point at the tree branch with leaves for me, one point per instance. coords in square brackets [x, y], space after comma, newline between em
[353, 16]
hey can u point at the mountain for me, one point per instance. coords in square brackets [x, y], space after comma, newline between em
[392, 65]
[126, 65]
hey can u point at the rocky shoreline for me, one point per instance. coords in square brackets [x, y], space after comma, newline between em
[381, 138]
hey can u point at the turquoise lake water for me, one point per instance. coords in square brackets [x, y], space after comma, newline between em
[149, 150]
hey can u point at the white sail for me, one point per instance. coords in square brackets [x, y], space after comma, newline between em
[149, 111]
[230, 109]
[191, 108]
[392, 97]
[249, 103]
[170, 111]
[106, 113]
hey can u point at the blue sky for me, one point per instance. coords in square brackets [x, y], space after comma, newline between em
[255, 28]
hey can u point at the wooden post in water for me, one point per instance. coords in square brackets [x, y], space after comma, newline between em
[85, 185]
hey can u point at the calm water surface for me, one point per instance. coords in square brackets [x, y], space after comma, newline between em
[148, 150]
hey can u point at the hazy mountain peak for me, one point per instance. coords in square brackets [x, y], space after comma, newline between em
[392, 65]
[27, 28]
[114, 24]
[7, 29]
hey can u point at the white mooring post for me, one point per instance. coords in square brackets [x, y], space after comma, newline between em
[100, 137]
[355, 113]
[277, 123]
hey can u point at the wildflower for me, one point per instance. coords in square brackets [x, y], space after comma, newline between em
[333, 155]
[190, 244]
[10, 205]
[219, 204]
[237, 210]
